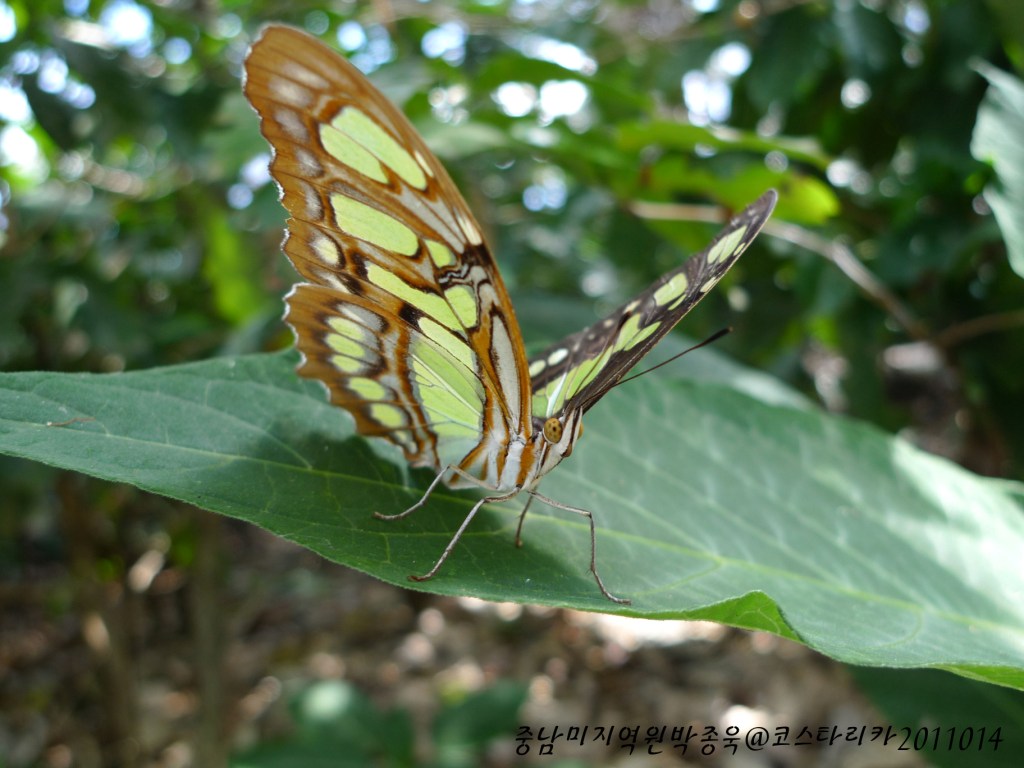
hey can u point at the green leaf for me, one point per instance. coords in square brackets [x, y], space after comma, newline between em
[709, 505]
[462, 731]
[464, 140]
[674, 135]
[337, 726]
[805, 199]
[793, 58]
[227, 266]
[1009, 25]
[949, 717]
[996, 140]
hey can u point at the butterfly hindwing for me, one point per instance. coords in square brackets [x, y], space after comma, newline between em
[400, 384]
[578, 370]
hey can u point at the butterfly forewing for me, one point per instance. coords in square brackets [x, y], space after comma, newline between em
[405, 318]
[577, 371]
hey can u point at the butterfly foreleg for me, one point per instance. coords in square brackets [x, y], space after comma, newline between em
[593, 541]
[421, 502]
[430, 489]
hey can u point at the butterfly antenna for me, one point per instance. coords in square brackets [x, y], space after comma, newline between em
[709, 340]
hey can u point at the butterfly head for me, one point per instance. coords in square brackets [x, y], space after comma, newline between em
[554, 438]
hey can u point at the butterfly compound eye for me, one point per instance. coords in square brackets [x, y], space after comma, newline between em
[553, 430]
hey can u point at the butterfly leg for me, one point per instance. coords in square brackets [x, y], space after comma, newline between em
[458, 534]
[418, 504]
[522, 517]
[593, 542]
[430, 489]
[462, 528]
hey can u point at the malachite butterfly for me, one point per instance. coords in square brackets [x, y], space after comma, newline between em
[404, 316]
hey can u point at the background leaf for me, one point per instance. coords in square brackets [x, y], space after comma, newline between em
[947, 709]
[997, 141]
[709, 505]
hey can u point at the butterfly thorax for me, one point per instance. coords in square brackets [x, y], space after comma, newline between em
[504, 462]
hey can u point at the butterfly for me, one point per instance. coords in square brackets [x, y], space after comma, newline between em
[403, 315]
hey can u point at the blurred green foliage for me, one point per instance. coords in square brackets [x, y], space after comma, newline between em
[335, 725]
[138, 227]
